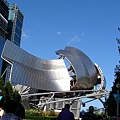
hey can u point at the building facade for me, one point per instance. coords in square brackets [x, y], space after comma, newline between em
[3, 29]
[11, 22]
[15, 22]
[53, 75]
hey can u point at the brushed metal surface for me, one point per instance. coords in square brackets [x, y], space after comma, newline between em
[86, 74]
[52, 75]
[35, 72]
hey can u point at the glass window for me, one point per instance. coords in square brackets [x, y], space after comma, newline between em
[17, 40]
[10, 24]
[2, 42]
[19, 23]
[11, 12]
[18, 31]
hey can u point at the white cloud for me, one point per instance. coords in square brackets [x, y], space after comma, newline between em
[73, 39]
[70, 40]
[82, 34]
[59, 33]
[24, 35]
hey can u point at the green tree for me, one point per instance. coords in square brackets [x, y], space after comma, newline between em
[7, 91]
[111, 105]
[1, 83]
[111, 102]
[1, 88]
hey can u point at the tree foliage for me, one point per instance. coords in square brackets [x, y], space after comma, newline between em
[111, 105]
[112, 102]
[1, 83]
[7, 91]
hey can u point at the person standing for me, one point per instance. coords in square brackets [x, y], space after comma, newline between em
[9, 108]
[90, 115]
[66, 114]
[1, 112]
[20, 111]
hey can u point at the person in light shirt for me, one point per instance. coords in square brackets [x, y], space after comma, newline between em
[1, 112]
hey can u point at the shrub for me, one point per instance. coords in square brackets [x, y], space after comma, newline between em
[34, 112]
[50, 113]
[40, 118]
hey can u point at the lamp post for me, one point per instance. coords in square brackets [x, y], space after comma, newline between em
[118, 88]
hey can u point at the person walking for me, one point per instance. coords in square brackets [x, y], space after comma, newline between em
[66, 114]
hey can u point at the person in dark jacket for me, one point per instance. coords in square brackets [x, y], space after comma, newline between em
[90, 115]
[66, 114]
[9, 108]
[20, 111]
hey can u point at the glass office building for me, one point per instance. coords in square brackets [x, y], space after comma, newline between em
[3, 29]
[2, 42]
[15, 22]
[11, 21]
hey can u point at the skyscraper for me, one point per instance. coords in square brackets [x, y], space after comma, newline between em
[11, 22]
[15, 22]
[3, 28]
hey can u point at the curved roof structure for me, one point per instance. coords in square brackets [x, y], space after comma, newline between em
[34, 72]
[52, 75]
[86, 74]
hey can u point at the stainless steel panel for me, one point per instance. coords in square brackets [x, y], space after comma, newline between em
[35, 72]
[86, 74]
[51, 75]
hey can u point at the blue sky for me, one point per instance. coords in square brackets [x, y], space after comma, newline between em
[89, 25]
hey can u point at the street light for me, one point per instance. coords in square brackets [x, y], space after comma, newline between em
[118, 88]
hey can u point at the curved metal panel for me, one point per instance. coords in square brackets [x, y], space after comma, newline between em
[52, 75]
[86, 74]
[101, 77]
[35, 72]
